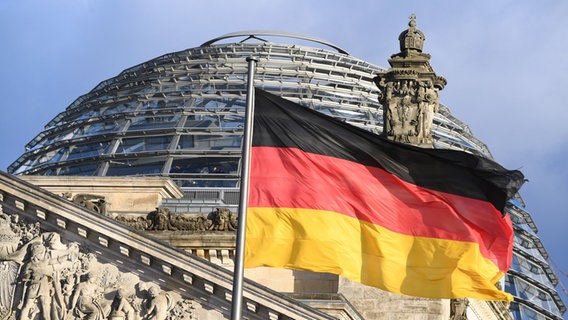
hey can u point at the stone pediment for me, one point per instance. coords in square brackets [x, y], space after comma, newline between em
[60, 260]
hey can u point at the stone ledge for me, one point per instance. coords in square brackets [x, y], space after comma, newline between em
[123, 194]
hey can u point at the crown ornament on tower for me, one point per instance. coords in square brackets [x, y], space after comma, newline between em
[409, 91]
[412, 39]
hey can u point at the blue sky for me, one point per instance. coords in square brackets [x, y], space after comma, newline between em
[505, 62]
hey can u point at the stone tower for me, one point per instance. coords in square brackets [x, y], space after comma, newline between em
[409, 91]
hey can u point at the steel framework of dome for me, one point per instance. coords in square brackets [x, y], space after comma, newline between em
[181, 116]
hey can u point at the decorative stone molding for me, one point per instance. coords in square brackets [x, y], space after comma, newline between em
[498, 310]
[221, 219]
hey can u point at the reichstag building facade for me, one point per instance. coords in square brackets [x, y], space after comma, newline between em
[181, 116]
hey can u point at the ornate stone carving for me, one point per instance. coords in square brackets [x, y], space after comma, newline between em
[411, 39]
[122, 307]
[161, 219]
[409, 91]
[160, 303]
[41, 277]
[458, 309]
[15, 237]
[88, 300]
[9, 243]
[222, 219]
[90, 201]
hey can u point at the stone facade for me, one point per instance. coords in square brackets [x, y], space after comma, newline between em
[377, 304]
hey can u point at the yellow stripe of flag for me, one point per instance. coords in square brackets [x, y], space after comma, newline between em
[324, 241]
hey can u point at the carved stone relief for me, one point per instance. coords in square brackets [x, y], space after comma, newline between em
[222, 219]
[458, 309]
[42, 277]
[409, 109]
[90, 201]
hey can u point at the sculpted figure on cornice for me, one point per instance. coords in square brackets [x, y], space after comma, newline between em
[222, 219]
[90, 201]
[161, 219]
[44, 278]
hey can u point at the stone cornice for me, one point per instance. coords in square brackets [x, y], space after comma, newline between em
[98, 185]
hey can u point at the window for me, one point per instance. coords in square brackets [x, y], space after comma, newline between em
[210, 142]
[154, 122]
[144, 144]
[88, 169]
[205, 165]
[104, 127]
[87, 150]
[130, 167]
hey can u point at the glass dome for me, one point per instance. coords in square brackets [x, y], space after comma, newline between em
[181, 115]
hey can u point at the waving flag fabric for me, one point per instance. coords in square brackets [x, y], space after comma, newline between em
[326, 196]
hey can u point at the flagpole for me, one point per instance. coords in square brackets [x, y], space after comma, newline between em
[237, 299]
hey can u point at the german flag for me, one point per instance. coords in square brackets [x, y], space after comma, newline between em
[326, 196]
